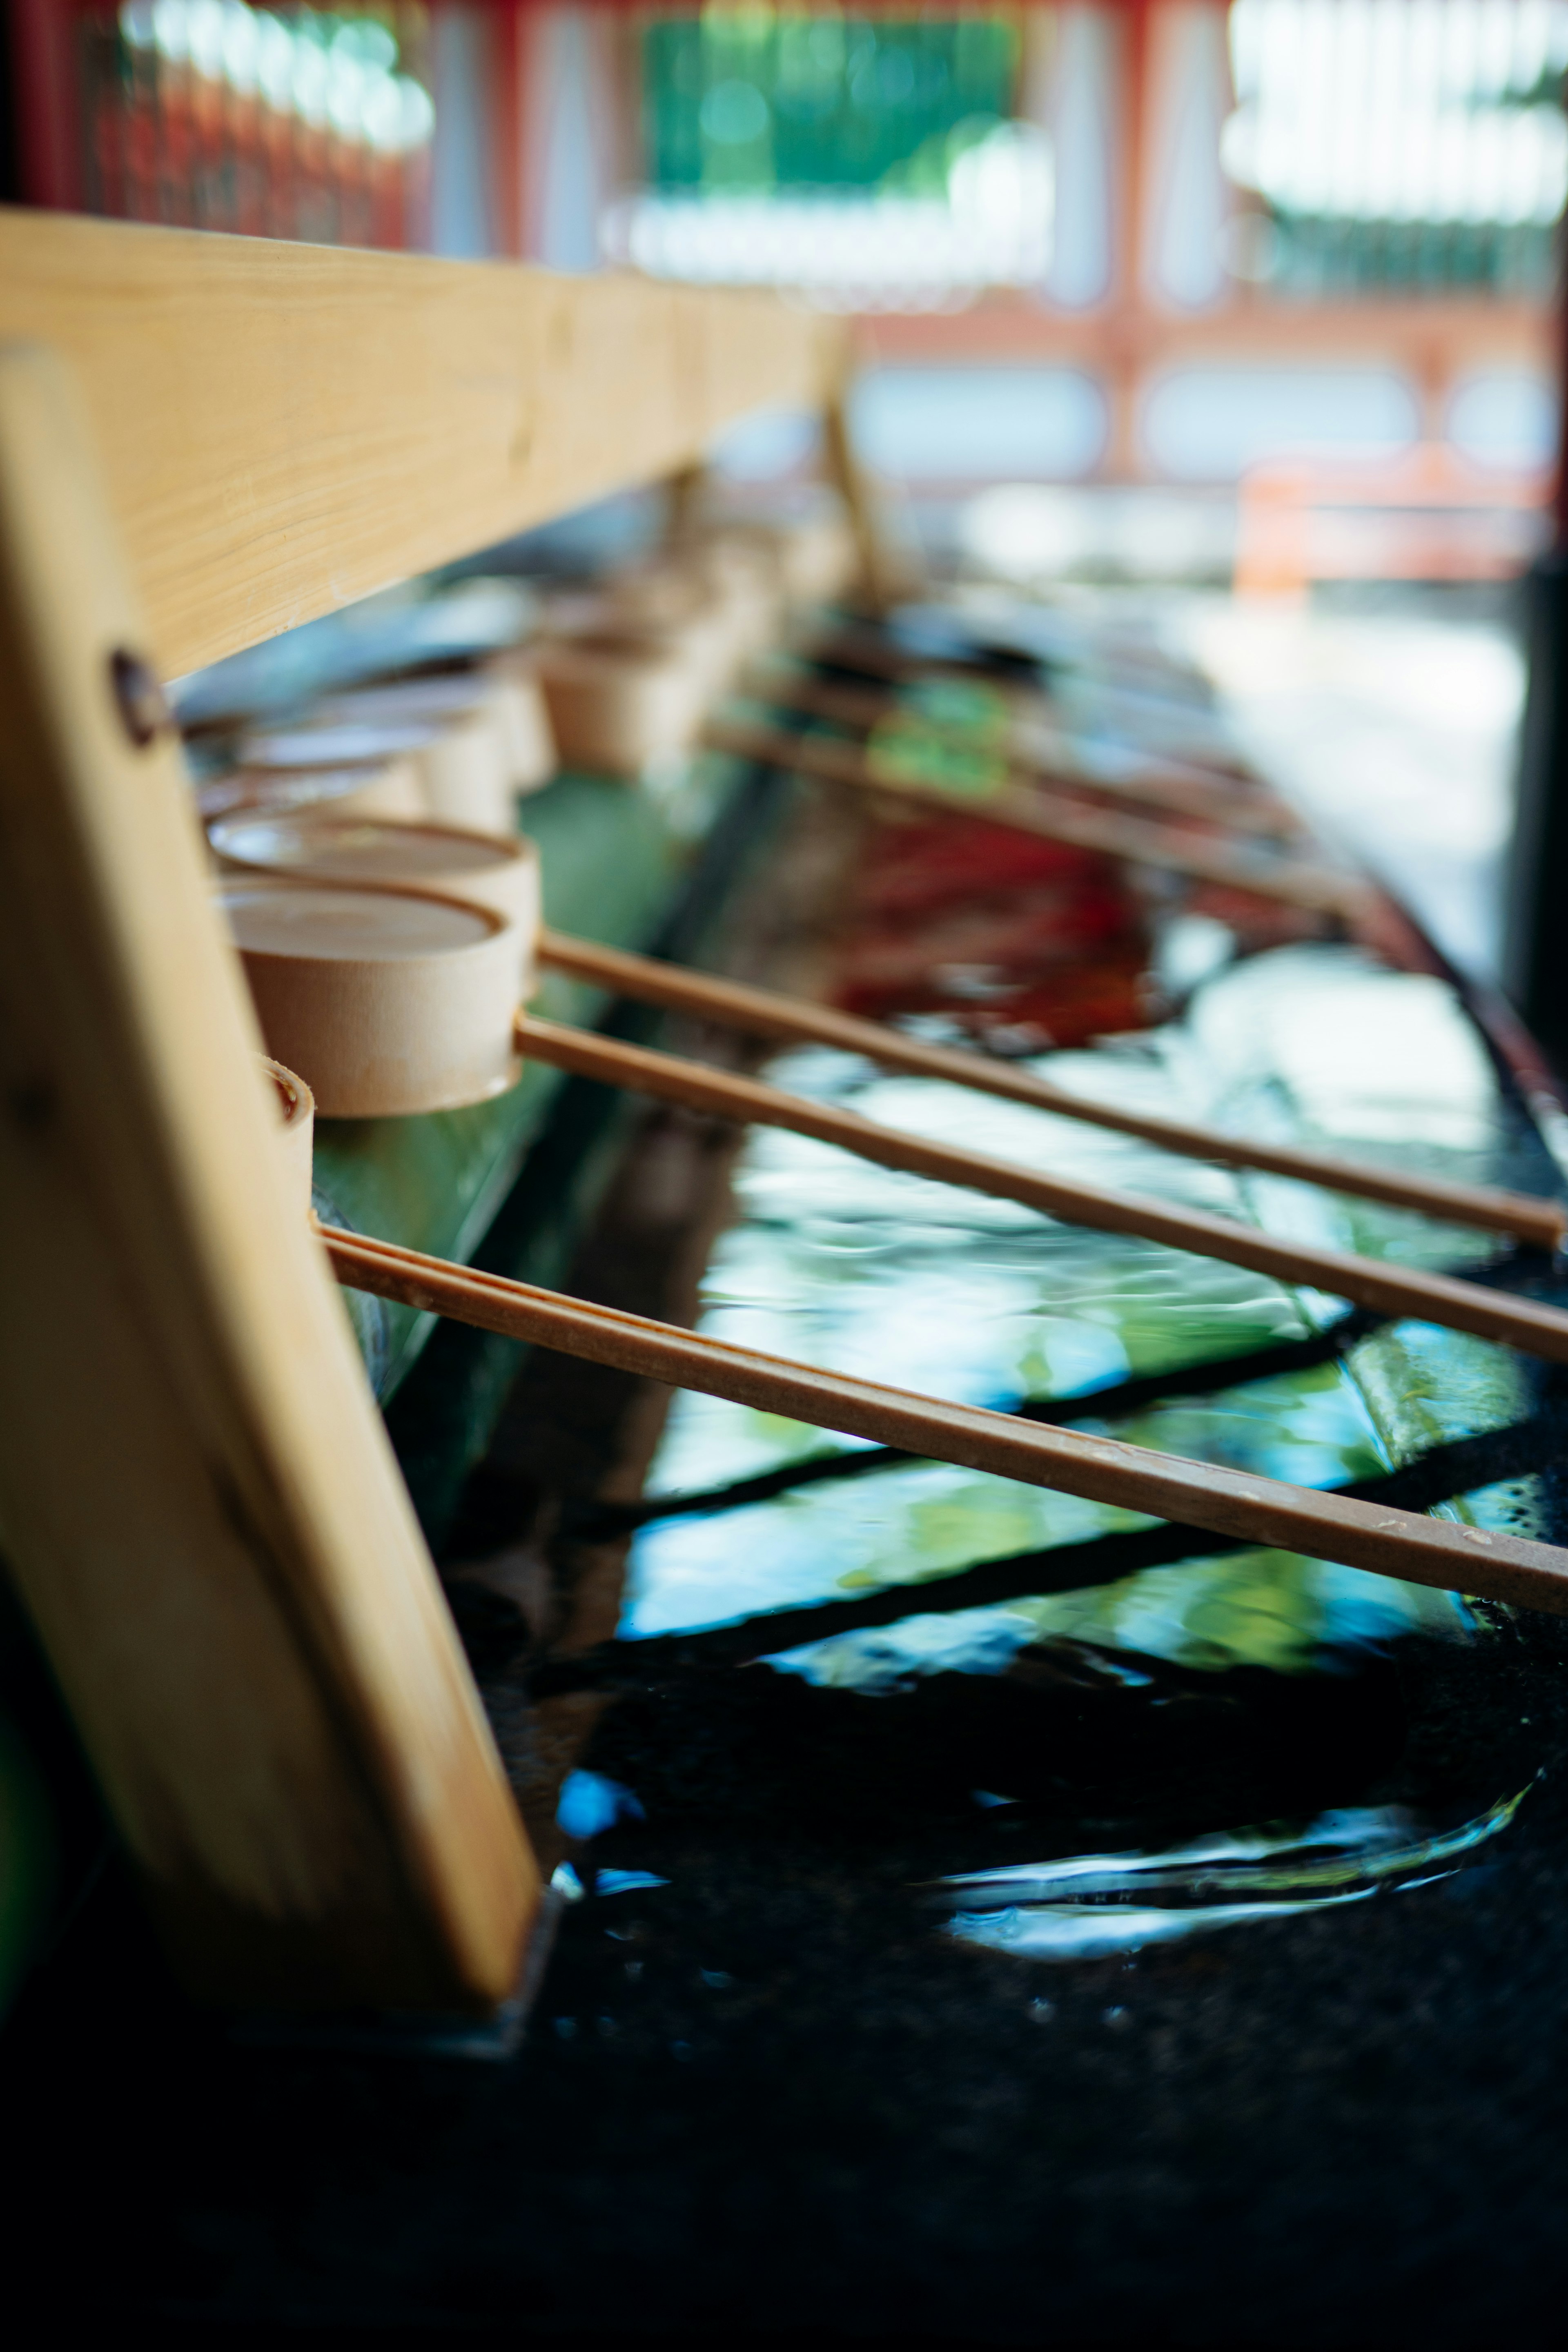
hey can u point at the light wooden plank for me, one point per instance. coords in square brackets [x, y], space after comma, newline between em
[196, 1495]
[285, 428]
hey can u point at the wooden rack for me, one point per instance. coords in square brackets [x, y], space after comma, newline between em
[203, 441]
[286, 428]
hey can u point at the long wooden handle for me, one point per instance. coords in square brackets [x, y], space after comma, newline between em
[1153, 784]
[1113, 835]
[1205, 1494]
[882, 657]
[760, 1014]
[1524, 1323]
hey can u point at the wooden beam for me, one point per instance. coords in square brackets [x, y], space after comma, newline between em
[285, 428]
[198, 1500]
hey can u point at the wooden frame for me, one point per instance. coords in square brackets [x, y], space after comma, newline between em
[286, 428]
[196, 1495]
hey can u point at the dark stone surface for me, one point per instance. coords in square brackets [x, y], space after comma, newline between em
[773, 2096]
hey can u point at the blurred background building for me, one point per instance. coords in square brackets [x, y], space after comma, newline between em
[1189, 295]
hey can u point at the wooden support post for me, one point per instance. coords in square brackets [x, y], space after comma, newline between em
[848, 478]
[685, 493]
[197, 1495]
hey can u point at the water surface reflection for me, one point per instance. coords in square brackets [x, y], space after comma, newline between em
[1092, 1906]
[1167, 1672]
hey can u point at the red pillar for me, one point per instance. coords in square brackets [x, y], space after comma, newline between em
[49, 130]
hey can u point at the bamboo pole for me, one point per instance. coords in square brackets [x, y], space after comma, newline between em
[1318, 888]
[874, 656]
[876, 653]
[1146, 781]
[1525, 1323]
[761, 1014]
[1223, 1501]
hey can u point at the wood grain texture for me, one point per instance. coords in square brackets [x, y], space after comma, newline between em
[198, 1497]
[762, 1013]
[1387, 1288]
[1390, 1542]
[285, 428]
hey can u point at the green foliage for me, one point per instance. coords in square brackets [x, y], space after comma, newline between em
[758, 98]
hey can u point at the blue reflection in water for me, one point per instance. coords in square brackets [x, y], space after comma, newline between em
[589, 1804]
[889, 1276]
[885, 1274]
[903, 1280]
[1090, 1905]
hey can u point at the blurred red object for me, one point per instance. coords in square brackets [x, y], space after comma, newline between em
[1022, 941]
[1427, 515]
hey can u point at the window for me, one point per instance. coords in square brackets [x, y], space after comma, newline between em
[873, 162]
[1399, 144]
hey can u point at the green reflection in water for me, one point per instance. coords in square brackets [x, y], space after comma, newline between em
[887, 1276]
